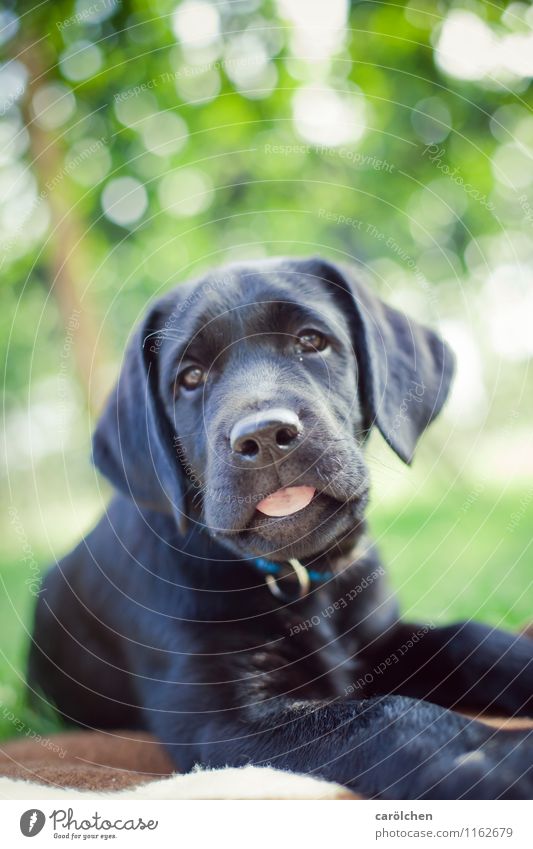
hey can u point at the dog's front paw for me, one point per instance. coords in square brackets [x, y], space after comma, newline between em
[500, 769]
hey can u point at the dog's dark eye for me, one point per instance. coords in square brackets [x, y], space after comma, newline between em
[192, 377]
[311, 341]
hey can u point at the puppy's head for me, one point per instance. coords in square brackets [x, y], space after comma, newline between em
[246, 398]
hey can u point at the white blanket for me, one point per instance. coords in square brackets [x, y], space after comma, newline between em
[244, 783]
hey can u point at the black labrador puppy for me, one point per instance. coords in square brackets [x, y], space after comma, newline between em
[229, 601]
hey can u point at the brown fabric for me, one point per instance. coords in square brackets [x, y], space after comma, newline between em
[527, 631]
[504, 723]
[91, 760]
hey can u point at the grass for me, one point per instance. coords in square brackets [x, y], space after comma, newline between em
[465, 555]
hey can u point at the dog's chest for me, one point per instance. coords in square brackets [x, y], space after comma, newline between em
[310, 659]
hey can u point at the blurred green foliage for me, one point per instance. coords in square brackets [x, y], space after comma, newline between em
[216, 158]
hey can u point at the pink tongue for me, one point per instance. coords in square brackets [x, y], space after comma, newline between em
[286, 501]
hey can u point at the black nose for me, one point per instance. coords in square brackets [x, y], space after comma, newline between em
[269, 432]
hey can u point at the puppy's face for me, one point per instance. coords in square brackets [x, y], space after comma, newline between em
[263, 398]
[245, 398]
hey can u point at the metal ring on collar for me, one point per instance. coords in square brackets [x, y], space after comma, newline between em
[304, 582]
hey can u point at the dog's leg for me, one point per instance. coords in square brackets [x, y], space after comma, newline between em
[390, 748]
[465, 665]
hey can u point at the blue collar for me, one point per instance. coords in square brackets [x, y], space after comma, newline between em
[270, 568]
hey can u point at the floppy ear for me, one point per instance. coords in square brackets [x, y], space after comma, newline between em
[134, 444]
[405, 369]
